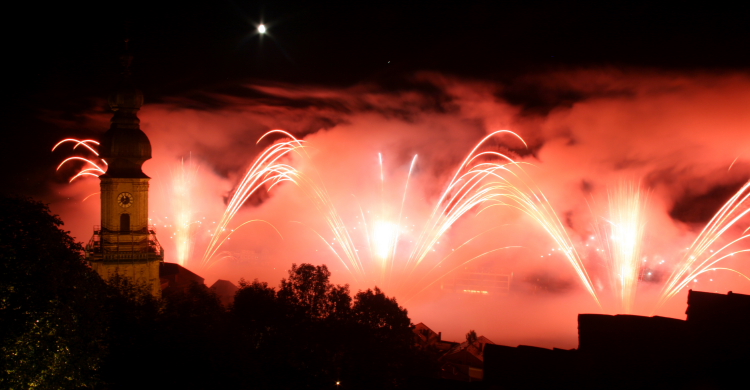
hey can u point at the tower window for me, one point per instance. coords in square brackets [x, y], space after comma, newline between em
[124, 223]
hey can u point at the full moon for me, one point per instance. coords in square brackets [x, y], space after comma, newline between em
[262, 29]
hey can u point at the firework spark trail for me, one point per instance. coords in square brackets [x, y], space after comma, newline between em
[732, 164]
[381, 237]
[365, 227]
[536, 205]
[183, 185]
[84, 172]
[724, 269]
[459, 197]
[87, 172]
[401, 211]
[501, 184]
[328, 244]
[473, 184]
[383, 234]
[84, 143]
[95, 193]
[435, 267]
[226, 255]
[466, 190]
[626, 225]
[455, 268]
[95, 169]
[699, 257]
[453, 203]
[318, 194]
[266, 169]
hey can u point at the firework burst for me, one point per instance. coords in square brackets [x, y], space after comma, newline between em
[699, 257]
[92, 167]
[501, 181]
[624, 236]
[267, 170]
[476, 184]
[484, 179]
[183, 187]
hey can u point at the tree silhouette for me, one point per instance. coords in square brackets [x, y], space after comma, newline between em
[50, 302]
[380, 313]
[255, 303]
[62, 326]
[307, 292]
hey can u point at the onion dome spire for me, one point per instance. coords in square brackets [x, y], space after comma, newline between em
[124, 146]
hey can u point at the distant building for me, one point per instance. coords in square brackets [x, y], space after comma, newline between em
[527, 367]
[427, 339]
[720, 323]
[465, 361]
[600, 333]
[225, 290]
[710, 349]
[425, 336]
[176, 278]
[458, 361]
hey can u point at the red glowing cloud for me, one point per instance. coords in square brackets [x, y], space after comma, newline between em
[683, 137]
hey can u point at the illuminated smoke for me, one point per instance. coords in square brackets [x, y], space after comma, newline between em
[474, 184]
[684, 135]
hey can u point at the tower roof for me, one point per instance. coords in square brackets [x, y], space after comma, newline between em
[124, 146]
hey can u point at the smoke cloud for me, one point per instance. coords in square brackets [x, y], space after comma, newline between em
[684, 137]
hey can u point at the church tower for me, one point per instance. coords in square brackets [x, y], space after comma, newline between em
[124, 244]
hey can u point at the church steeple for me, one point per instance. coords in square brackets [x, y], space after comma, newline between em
[124, 146]
[124, 244]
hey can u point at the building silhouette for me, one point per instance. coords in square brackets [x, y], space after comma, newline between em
[458, 361]
[225, 291]
[175, 278]
[708, 350]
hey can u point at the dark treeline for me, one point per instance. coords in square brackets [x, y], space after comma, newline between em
[61, 326]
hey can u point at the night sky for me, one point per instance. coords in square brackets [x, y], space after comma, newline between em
[63, 56]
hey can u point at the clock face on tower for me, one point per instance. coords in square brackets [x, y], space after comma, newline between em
[125, 199]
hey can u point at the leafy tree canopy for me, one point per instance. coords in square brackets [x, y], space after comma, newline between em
[310, 294]
[50, 327]
[375, 310]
